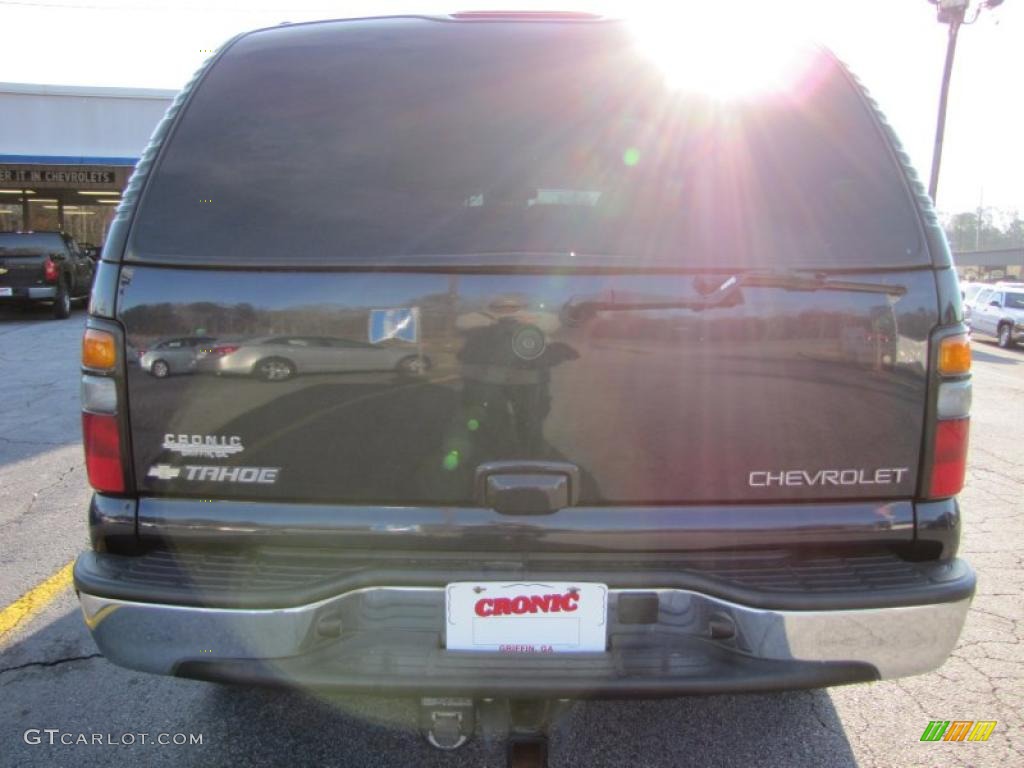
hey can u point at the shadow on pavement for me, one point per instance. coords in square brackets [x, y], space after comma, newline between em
[37, 313]
[20, 446]
[987, 357]
[39, 410]
[243, 726]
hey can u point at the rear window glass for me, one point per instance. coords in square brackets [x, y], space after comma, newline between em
[29, 244]
[971, 291]
[413, 139]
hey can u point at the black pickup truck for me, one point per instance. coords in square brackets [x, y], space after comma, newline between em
[43, 267]
[697, 405]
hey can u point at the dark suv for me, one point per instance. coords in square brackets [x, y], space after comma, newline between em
[43, 266]
[696, 411]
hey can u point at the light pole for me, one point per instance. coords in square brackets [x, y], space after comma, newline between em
[954, 13]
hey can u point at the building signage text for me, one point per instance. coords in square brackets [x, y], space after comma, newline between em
[56, 176]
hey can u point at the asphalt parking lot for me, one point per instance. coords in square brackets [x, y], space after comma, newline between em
[51, 676]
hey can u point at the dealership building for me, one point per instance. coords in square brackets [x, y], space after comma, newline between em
[992, 264]
[66, 154]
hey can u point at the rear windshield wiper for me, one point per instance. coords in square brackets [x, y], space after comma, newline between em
[726, 293]
[819, 281]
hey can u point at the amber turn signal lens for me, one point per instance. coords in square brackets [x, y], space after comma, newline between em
[955, 355]
[98, 350]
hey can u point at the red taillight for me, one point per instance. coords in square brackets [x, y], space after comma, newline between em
[951, 358]
[102, 438]
[50, 271]
[225, 349]
[949, 463]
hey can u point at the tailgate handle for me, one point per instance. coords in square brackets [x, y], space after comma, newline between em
[527, 487]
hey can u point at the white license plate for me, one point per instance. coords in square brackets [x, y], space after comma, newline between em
[6, 291]
[518, 617]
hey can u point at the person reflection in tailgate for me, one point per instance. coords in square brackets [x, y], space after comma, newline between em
[506, 371]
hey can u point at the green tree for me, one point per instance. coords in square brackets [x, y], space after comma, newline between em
[984, 229]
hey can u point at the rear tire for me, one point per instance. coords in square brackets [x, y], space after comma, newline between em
[62, 301]
[159, 369]
[1005, 336]
[274, 369]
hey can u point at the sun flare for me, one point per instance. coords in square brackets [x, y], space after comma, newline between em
[727, 54]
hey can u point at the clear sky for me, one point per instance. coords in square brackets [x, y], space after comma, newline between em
[895, 46]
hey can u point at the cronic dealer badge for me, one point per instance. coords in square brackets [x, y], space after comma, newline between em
[210, 446]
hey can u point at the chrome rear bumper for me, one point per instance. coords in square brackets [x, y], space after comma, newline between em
[389, 638]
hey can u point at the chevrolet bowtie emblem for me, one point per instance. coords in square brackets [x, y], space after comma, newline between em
[163, 472]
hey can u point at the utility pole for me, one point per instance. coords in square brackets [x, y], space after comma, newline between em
[953, 13]
[977, 223]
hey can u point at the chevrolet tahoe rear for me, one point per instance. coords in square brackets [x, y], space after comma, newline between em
[696, 408]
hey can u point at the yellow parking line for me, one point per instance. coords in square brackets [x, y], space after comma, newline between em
[35, 600]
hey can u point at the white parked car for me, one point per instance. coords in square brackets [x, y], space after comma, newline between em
[998, 311]
[177, 355]
[277, 358]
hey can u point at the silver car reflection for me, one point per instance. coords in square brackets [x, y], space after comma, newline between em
[279, 358]
[177, 355]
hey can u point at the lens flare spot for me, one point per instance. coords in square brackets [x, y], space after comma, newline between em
[631, 156]
[451, 461]
[472, 425]
[704, 49]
